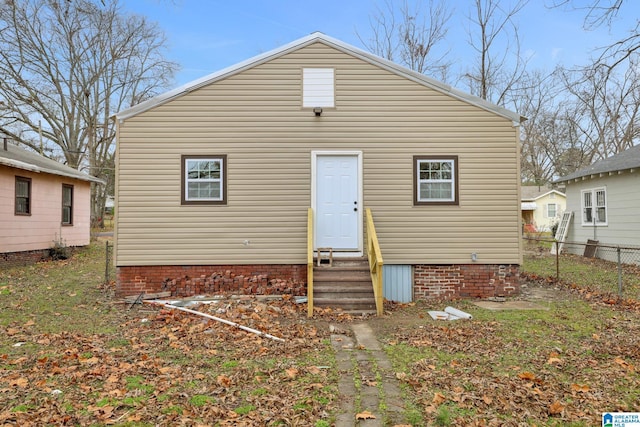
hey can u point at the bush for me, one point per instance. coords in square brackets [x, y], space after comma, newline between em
[59, 250]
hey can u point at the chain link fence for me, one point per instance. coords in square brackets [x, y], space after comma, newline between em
[606, 268]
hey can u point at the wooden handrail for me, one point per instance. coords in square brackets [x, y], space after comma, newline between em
[375, 263]
[310, 263]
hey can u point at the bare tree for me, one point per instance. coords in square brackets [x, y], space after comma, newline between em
[547, 135]
[413, 38]
[65, 68]
[383, 41]
[596, 117]
[606, 109]
[494, 36]
[537, 136]
[599, 13]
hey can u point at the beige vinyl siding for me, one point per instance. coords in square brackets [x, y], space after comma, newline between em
[256, 118]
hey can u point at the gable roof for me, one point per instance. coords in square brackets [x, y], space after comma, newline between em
[625, 160]
[20, 158]
[535, 192]
[335, 43]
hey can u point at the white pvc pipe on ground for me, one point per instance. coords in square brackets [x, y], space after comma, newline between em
[218, 319]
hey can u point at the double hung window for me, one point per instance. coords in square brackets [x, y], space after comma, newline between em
[435, 180]
[204, 179]
[23, 196]
[67, 204]
[594, 206]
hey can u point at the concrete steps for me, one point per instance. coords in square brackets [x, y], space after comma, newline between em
[346, 285]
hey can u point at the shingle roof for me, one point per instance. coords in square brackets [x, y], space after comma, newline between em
[628, 159]
[533, 192]
[335, 43]
[20, 158]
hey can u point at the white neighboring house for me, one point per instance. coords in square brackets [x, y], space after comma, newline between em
[109, 205]
[605, 201]
[542, 207]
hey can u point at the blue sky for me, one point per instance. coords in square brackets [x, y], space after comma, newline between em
[205, 36]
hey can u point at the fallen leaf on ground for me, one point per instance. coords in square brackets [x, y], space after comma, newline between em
[580, 388]
[19, 382]
[438, 398]
[223, 380]
[291, 372]
[556, 408]
[554, 360]
[625, 364]
[365, 415]
[529, 376]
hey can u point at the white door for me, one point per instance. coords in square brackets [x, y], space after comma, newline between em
[338, 209]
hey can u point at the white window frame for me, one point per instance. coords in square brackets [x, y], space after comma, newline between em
[418, 182]
[548, 213]
[186, 180]
[318, 87]
[596, 204]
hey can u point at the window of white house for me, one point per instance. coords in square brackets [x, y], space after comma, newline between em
[594, 206]
[552, 210]
[318, 87]
[23, 196]
[67, 204]
[435, 180]
[204, 179]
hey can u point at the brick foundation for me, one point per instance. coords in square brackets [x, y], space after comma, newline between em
[465, 281]
[430, 281]
[19, 259]
[212, 279]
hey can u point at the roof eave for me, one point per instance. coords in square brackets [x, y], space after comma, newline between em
[38, 169]
[592, 175]
[213, 77]
[424, 80]
[549, 192]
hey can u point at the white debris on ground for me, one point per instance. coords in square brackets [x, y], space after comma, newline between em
[449, 313]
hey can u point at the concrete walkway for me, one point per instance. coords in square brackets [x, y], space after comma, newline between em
[368, 383]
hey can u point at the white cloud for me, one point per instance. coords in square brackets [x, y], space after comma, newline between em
[556, 52]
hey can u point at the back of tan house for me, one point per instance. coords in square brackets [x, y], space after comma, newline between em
[218, 176]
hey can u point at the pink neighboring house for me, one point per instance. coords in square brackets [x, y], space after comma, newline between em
[41, 202]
